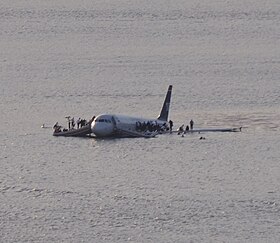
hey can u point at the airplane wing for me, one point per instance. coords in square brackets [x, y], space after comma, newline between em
[198, 130]
[81, 132]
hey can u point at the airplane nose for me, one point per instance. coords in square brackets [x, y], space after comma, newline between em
[101, 129]
[95, 129]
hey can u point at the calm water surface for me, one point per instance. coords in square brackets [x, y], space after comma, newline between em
[62, 58]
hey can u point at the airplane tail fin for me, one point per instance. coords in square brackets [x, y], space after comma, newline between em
[165, 108]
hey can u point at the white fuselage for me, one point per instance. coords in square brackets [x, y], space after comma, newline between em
[107, 125]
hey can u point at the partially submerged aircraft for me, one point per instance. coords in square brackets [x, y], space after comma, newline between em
[111, 125]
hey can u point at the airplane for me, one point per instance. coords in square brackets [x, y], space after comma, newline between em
[112, 125]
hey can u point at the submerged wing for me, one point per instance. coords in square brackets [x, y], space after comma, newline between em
[198, 130]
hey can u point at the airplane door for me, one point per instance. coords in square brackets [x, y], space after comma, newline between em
[114, 122]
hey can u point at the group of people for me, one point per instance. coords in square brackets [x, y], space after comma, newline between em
[181, 128]
[151, 126]
[72, 124]
[56, 127]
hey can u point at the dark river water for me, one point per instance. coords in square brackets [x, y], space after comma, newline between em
[83, 58]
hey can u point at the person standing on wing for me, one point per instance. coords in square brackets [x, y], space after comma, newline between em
[191, 124]
[170, 125]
